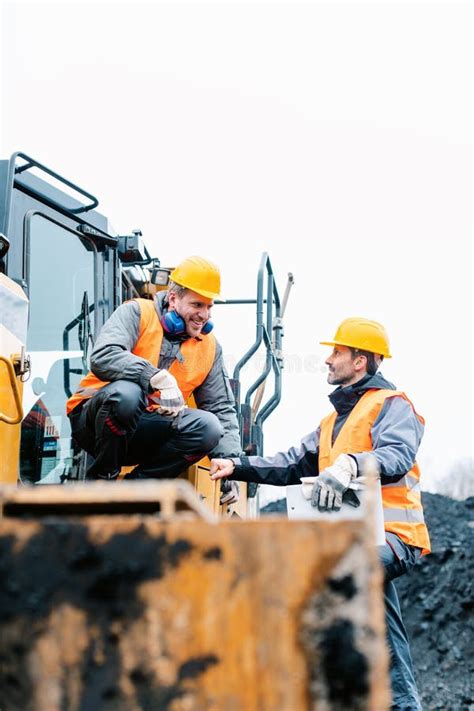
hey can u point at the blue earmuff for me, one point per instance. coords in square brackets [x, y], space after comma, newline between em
[174, 325]
[207, 328]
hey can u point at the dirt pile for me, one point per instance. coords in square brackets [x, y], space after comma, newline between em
[437, 600]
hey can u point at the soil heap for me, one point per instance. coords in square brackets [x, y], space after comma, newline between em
[437, 600]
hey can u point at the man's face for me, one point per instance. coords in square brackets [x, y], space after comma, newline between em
[344, 369]
[194, 309]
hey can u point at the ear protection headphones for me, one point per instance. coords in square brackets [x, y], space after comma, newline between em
[174, 325]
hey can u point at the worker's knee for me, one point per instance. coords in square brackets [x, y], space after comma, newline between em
[125, 399]
[397, 557]
[212, 431]
[205, 430]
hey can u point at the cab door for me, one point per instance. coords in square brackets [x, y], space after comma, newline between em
[61, 270]
[65, 260]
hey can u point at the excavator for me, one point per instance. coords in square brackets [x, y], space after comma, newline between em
[150, 595]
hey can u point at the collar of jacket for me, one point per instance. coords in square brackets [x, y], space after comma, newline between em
[344, 399]
[161, 303]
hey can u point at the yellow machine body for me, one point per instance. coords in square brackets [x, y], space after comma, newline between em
[13, 325]
[132, 597]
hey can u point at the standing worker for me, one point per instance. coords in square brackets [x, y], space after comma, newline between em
[149, 358]
[370, 418]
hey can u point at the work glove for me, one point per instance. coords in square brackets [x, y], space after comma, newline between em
[230, 492]
[329, 487]
[170, 399]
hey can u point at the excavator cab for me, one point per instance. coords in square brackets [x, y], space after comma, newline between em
[75, 270]
[63, 254]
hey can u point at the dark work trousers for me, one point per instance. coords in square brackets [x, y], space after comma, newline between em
[397, 558]
[117, 430]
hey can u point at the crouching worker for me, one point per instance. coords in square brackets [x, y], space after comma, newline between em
[150, 356]
[370, 416]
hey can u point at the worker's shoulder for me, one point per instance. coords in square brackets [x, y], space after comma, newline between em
[397, 403]
[130, 305]
[386, 397]
[127, 313]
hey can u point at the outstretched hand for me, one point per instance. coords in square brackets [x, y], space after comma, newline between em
[221, 468]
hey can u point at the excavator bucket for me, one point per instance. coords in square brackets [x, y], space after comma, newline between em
[134, 597]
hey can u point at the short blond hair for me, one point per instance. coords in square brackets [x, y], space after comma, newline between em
[177, 289]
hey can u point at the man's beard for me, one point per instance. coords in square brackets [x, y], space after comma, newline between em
[338, 380]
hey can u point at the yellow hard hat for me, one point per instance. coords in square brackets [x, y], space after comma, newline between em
[362, 334]
[199, 275]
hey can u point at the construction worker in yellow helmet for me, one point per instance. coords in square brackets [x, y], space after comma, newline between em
[149, 358]
[370, 419]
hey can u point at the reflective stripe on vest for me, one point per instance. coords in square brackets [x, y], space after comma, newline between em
[403, 511]
[407, 481]
[405, 515]
[197, 358]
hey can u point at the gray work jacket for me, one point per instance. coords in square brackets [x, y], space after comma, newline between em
[112, 359]
[396, 435]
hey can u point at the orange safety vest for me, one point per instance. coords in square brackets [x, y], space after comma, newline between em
[198, 358]
[403, 511]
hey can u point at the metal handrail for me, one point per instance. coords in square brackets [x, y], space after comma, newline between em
[268, 332]
[253, 348]
[32, 163]
[272, 403]
[16, 394]
[266, 371]
[83, 317]
[261, 414]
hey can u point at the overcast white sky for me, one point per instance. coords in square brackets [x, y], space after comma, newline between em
[335, 136]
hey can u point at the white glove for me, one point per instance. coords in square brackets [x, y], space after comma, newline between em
[170, 399]
[344, 470]
[332, 482]
[328, 488]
